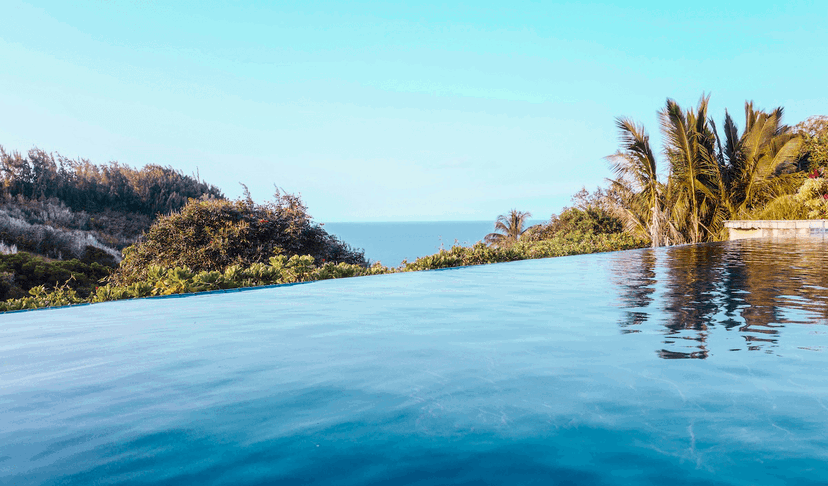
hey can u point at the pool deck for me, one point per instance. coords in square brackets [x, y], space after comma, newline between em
[799, 228]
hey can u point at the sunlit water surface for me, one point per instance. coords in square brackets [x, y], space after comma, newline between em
[689, 365]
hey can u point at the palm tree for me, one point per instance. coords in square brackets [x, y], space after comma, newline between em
[707, 182]
[695, 172]
[637, 182]
[508, 228]
[755, 162]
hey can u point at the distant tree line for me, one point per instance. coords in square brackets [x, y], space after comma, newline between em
[84, 186]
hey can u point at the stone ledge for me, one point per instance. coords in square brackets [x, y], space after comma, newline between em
[801, 228]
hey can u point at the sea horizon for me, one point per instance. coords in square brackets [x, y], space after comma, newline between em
[391, 242]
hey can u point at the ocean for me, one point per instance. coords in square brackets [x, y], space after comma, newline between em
[391, 242]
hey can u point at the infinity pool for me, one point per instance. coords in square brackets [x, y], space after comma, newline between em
[689, 365]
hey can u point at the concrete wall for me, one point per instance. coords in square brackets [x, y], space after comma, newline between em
[800, 228]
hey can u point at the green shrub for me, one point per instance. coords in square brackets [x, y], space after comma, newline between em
[572, 243]
[160, 280]
[809, 202]
[590, 219]
[214, 235]
[22, 272]
[39, 297]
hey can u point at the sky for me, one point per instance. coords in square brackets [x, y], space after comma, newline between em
[391, 111]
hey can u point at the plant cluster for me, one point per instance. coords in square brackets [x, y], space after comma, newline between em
[21, 272]
[84, 186]
[563, 244]
[181, 280]
[814, 149]
[591, 213]
[711, 177]
[213, 235]
[280, 269]
[809, 202]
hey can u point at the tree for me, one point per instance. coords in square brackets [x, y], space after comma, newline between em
[690, 147]
[758, 164]
[508, 228]
[814, 149]
[707, 181]
[637, 184]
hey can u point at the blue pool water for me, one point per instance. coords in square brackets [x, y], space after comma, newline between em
[688, 365]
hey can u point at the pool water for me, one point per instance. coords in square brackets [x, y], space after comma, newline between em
[688, 365]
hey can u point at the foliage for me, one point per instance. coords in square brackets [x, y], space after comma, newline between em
[809, 202]
[180, 280]
[281, 269]
[508, 228]
[213, 235]
[21, 272]
[572, 243]
[84, 186]
[591, 213]
[711, 178]
[40, 297]
[590, 220]
[814, 150]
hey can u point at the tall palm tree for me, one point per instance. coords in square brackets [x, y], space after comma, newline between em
[637, 181]
[690, 146]
[508, 228]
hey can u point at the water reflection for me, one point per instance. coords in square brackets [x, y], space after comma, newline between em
[753, 287]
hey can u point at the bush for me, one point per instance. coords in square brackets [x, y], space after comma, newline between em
[591, 219]
[21, 272]
[572, 243]
[809, 202]
[39, 297]
[182, 280]
[213, 235]
[158, 280]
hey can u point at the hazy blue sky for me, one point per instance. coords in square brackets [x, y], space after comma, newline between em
[392, 111]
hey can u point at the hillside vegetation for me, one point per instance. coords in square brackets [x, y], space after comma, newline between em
[218, 245]
[180, 235]
[57, 207]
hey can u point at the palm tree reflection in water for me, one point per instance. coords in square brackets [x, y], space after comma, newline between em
[695, 293]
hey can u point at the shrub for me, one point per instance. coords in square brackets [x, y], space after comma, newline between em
[809, 202]
[21, 272]
[39, 297]
[159, 280]
[590, 219]
[572, 243]
[213, 235]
